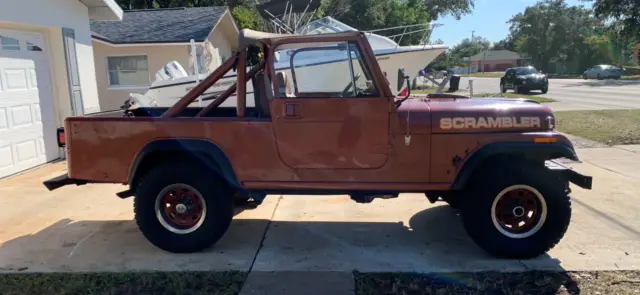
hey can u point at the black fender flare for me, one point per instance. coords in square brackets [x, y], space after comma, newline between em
[538, 151]
[206, 152]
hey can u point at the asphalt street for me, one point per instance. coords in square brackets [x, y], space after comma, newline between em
[576, 94]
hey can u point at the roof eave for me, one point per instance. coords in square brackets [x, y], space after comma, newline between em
[142, 43]
[103, 10]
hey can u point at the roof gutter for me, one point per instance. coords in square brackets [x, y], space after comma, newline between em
[138, 44]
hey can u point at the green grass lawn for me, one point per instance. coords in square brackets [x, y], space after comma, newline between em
[632, 77]
[219, 283]
[534, 282]
[607, 126]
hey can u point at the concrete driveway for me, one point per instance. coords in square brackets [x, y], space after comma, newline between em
[89, 229]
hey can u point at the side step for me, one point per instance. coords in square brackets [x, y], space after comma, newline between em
[569, 174]
[60, 181]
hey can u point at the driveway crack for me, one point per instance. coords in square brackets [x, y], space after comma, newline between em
[605, 168]
[264, 236]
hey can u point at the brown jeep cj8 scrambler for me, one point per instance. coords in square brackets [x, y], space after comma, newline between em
[187, 166]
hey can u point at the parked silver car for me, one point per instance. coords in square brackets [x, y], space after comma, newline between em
[602, 72]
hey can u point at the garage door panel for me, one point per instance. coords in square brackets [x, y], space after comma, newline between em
[26, 150]
[21, 116]
[15, 79]
[6, 156]
[37, 114]
[4, 122]
[27, 121]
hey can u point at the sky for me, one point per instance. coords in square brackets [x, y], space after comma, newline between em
[488, 19]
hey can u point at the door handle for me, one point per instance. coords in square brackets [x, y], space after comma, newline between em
[292, 110]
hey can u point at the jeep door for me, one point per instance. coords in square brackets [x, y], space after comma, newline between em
[327, 111]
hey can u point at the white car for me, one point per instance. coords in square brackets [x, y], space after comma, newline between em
[602, 72]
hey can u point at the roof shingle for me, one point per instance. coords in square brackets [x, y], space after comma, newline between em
[159, 25]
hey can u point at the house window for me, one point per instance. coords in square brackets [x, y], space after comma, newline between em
[32, 47]
[200, 59]
[128, 70]
[9, 44]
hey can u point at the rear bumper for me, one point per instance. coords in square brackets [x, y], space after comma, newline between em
[60, 181]
[570, 175]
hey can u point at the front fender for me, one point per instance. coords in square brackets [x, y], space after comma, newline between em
[530, 150]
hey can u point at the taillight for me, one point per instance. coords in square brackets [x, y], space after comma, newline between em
[61, 139]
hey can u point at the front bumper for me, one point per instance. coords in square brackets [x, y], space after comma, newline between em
[534, 85]
[569, 174]
[60, 181]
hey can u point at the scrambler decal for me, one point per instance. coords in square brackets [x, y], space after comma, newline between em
[489, 122]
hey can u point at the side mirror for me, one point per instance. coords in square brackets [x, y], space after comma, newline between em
[401, 78]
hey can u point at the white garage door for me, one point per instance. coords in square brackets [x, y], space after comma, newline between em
[27, 124]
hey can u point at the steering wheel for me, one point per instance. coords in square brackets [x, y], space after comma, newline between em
[346, 91]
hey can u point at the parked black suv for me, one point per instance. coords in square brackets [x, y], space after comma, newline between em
[524, 79]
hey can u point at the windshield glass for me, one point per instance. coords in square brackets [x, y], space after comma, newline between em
[526, 71]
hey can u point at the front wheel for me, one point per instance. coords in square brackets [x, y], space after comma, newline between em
[545, 89]
[503, 89]
[179, 209]
[517, 213]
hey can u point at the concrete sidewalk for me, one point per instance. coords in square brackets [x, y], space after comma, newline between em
[293, 243]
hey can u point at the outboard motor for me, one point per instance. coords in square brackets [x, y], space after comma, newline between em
[172, 70]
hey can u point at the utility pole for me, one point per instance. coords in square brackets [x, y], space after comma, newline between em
[469, 70]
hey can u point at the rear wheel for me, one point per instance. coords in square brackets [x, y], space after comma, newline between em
[517, 211]
[179, 209]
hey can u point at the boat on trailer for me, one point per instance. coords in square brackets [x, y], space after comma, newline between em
[172, 81]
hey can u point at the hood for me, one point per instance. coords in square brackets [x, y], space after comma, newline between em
[475, 115]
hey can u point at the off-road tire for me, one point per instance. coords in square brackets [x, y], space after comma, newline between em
[517, 89]
[477, 212]
[453, 201]
[218, 200]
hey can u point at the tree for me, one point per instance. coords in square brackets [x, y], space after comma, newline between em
[468, 48]
[626, 14]
[439, 8]
[559, 37]
[504, 44]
